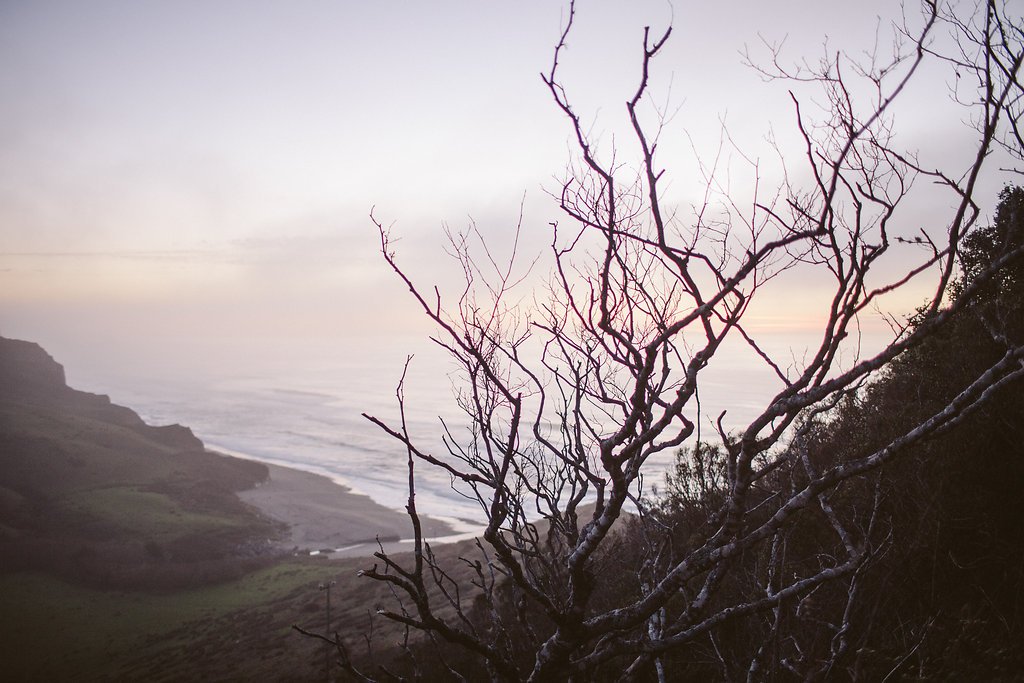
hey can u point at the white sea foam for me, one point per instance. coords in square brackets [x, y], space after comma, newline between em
[304, 410]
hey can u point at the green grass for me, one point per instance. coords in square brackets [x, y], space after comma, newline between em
[146, 514]
[60, 453]
[50, 629]
[235, 630]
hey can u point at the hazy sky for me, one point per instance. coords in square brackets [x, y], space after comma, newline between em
[205, 169]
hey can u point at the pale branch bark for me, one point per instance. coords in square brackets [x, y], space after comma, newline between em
[570, 398]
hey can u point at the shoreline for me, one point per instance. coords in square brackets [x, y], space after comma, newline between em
[458, 526]
[327, 518]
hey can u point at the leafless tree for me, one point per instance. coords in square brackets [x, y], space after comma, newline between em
[571, 394]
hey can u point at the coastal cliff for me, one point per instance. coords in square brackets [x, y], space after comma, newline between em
[146, 557]
[30, 376]
[90, 492]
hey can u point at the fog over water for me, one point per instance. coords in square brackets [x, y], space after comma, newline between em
[300, 403]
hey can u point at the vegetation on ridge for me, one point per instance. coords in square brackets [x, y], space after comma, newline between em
[575, 387]
[91, 493]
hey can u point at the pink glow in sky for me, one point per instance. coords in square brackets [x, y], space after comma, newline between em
[191, 169]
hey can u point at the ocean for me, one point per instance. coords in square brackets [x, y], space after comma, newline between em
[299, 403]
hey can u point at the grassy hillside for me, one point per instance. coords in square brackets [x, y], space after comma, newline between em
[239, 629]
[92, 494]
[125, 553]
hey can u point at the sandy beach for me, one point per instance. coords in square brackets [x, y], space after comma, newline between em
[323, 515]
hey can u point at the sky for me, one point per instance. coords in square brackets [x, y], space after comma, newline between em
[176, 175]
